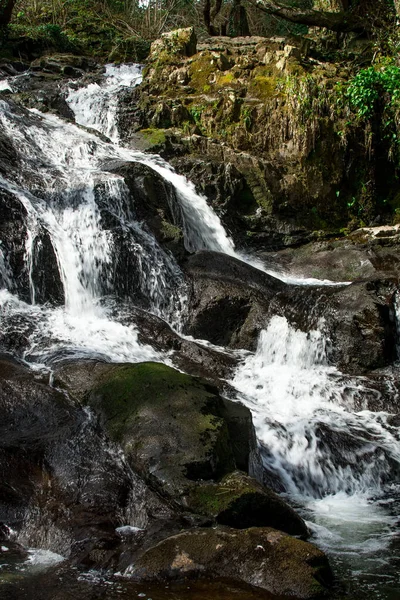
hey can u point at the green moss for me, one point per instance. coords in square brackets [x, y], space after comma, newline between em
[225, 79]
[201, 68]
[212, 499]
[170, 231]
[263, 84]
[154, 136]
[128, 387]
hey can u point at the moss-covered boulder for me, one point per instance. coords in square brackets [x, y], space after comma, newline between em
[262, 557]
[240, 501]
[174, 428]
[180, 42]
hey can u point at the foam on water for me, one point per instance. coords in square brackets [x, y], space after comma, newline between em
[332, 459]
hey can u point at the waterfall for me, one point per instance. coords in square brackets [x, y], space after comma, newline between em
[332, 456]
[66, 193]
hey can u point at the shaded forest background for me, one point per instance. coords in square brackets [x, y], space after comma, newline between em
[120, 29]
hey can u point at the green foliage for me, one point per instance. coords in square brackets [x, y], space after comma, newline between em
[370, 85]
[47, 35]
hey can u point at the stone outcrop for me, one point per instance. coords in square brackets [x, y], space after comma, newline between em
[259, 125]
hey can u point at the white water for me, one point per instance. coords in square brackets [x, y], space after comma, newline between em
[68, 192]
[333, 459]
[96, 107]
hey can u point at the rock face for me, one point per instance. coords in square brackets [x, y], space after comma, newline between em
[231, 302]
[249, 120]
[263, 557]
[43, 275]
[155, 203]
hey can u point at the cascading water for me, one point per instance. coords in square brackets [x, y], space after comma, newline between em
[335, 459]
[69, 193]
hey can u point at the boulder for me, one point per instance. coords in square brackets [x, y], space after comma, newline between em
[241, 502]
[229, 299]
[262, 557]
[61, 480]
[180, 42]
[174, 429]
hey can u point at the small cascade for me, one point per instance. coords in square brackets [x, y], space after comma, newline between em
[101, 251]
[96, 105]
[332, 456]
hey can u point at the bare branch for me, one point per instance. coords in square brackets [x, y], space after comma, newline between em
[342, 22]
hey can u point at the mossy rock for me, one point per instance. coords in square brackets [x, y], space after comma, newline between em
[174, 428]
[240, 501]
[262, 557]
[177, 43]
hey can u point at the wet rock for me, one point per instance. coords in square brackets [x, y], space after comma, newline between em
[241, 502]
[46, 586]
[357, 256]
[61, 480]
[174, 428]
[262, 557]
[13, 233]
[43, 273]
[231, 302]
[155, 203]
[361, 320]
[229, 299]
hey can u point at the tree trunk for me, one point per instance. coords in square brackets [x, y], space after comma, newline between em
[342, 22]
[397, 8]
[6, 8]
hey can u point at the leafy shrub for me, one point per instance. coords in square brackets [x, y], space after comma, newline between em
[370, 85]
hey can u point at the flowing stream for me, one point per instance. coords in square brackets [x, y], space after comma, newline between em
[337, 461]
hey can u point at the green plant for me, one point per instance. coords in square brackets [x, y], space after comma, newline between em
[369, 85]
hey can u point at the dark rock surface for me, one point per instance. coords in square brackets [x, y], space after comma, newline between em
[174, 428]
[229, 300]
[241, 502]
[44, 273]
[155, 203]
[61, 479]
[262, 557]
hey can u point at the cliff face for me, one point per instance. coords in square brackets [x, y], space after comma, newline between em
[264, 128]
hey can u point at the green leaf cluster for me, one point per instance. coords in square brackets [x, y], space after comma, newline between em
[370, 85]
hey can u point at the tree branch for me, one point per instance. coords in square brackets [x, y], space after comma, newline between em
[342, 22]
